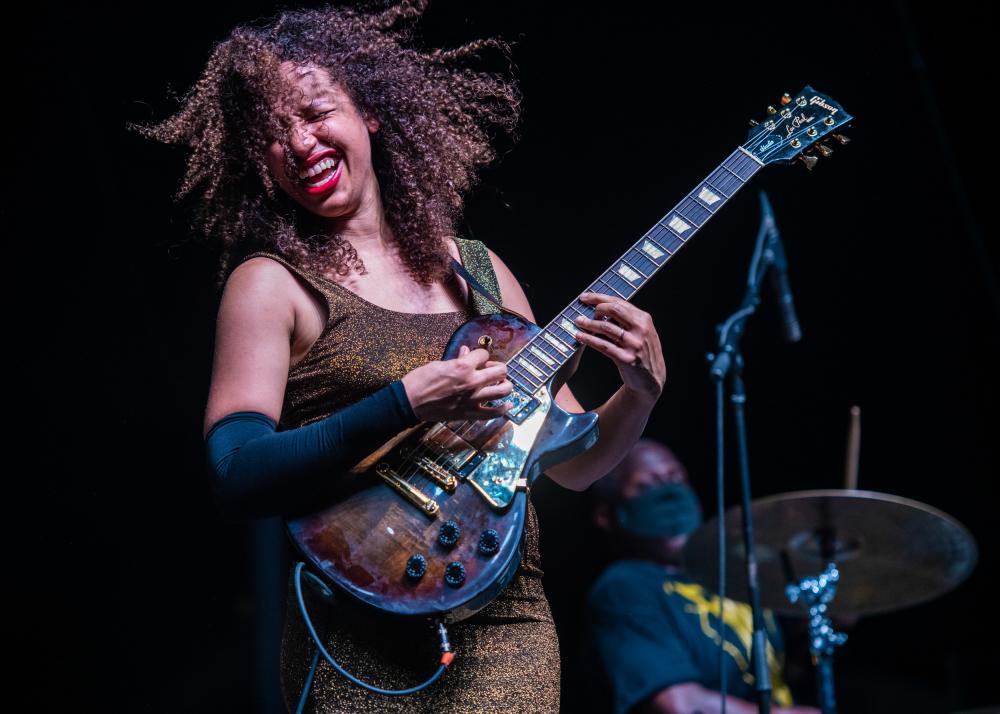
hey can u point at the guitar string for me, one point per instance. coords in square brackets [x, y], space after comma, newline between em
[731, 184]
[465, 428]
[438, 459]
[740, 157]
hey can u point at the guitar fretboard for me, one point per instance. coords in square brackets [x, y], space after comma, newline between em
[538, 361]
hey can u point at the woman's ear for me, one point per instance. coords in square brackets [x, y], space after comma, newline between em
[373, 124]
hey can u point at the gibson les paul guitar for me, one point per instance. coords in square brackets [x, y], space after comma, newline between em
[431, 524]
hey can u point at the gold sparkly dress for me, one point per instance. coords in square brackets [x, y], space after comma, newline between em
[507, 654]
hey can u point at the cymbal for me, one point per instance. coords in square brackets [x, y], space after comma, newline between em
[892, 552]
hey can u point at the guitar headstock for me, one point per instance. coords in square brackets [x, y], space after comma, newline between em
[803, 124]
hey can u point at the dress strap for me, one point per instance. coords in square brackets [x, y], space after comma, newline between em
[314, 281]
[274, 256]
[476, 259]
[296, 270]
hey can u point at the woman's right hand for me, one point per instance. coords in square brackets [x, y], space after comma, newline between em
[453, 389]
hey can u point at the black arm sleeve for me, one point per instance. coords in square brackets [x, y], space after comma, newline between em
[258, 472]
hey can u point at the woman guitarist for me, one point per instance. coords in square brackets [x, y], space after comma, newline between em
[331, 160]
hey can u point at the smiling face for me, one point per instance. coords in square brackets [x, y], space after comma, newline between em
[331, 148]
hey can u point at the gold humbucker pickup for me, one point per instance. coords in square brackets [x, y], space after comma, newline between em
[436, 473]
[426, 504]
[461, 456]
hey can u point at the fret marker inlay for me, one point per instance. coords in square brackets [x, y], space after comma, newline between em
[678, 224]
[652, 251]
[555, 343]
[530, 367]
[627, 273]
[542, 356]
[707, 196]
[569, 326]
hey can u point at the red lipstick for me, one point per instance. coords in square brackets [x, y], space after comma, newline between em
[328, 185]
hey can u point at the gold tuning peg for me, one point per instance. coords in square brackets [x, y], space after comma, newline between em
[786, 99]
[842, 139]
[771, 110]
[809, 161]
[754, 122]
[825, 150]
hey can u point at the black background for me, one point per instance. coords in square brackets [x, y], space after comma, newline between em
[125, 590]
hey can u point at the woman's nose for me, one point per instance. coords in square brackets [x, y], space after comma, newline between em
[303, 140]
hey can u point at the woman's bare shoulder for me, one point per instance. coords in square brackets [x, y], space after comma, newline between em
[258, 302]
[265, 289]
[263, 284]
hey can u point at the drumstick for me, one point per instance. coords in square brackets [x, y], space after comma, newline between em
[853, 450]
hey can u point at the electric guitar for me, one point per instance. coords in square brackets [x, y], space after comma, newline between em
[431, 524]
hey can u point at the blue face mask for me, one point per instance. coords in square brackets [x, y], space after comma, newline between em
[667, 510]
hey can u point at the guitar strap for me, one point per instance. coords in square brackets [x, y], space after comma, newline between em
[476, 285]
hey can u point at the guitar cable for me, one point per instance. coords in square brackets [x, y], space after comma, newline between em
[447, 656]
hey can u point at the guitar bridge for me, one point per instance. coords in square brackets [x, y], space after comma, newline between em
[436, 473]
[427, 505]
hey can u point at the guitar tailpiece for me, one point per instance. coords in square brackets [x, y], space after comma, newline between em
[446, 654]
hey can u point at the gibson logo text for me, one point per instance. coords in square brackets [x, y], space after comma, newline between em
[819, 101]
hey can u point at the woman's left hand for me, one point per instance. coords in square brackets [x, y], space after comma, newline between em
[626, 334]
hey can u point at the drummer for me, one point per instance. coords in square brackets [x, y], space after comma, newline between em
[652, 636]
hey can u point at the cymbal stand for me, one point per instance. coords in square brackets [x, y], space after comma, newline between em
[814, 594]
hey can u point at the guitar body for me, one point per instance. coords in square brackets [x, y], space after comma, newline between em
[475, 474]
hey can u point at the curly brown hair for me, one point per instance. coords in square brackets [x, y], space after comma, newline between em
[434, 120]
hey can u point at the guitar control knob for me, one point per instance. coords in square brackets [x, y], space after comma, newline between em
[489, 542]
[449, 534]
[454, 573]
[416, 566]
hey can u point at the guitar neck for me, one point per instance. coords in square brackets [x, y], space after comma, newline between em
[540, 359]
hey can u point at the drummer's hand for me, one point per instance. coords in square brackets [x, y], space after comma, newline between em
[629, 338]
[452, 389]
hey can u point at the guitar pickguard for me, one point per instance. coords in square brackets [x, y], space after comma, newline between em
[490, 457]
[499, 475]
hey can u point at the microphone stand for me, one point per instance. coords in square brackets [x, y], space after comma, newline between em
[728, 362]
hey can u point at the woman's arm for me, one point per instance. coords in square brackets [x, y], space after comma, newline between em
[257, 471]
[623, 417]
